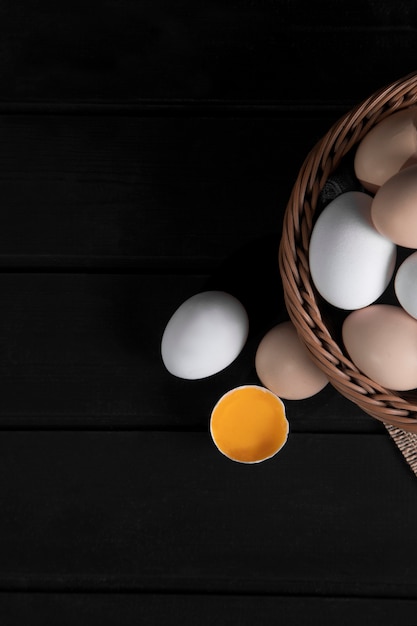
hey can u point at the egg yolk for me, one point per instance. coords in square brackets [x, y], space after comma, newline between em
[248, 424]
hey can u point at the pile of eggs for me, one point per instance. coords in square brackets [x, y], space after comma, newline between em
[353, 254]
[353, 257]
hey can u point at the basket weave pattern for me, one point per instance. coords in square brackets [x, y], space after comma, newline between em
[392, 408]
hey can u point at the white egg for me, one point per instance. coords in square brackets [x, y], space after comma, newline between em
[405, 284]
[204, 335]
[351, 263]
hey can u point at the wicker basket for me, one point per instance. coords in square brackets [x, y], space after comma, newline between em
[398, 411]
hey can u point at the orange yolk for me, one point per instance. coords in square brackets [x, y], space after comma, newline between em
[248, 424]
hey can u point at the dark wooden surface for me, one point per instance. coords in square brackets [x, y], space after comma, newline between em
[147, 152]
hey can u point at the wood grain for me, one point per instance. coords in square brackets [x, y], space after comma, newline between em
[154, 50]
[159, 512]
[147, 152]
[115, 191]
[151, 609]
[83, 350]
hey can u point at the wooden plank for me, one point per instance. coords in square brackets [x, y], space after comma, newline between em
[83, 350]
[132, 192]
[211, 50]
[331, 515]
[80, 609]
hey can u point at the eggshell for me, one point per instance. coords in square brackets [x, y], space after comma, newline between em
[389, 146]
[381, 340]
[204, 335]
[284, 365]
[248, 424]
[394, 208]
[351, 263]
[405, 284]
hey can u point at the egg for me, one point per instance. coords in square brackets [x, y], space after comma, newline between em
[284, 365]
[394, 208]
[405, 284]
[351, 263]
[381, 341]
[388, 147]
[204, 335]
[248, 424]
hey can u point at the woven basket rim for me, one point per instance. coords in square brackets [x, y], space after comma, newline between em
[391, 407]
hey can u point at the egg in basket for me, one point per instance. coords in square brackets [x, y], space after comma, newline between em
[347, 257]
[348, 264]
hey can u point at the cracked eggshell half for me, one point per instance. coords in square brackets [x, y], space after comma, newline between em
[248, 424]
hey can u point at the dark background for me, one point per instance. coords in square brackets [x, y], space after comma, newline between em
[147, 152]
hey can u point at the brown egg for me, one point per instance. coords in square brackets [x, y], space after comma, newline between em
[381, 340]
[388, 147]
[284, 365]
[394, 208]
